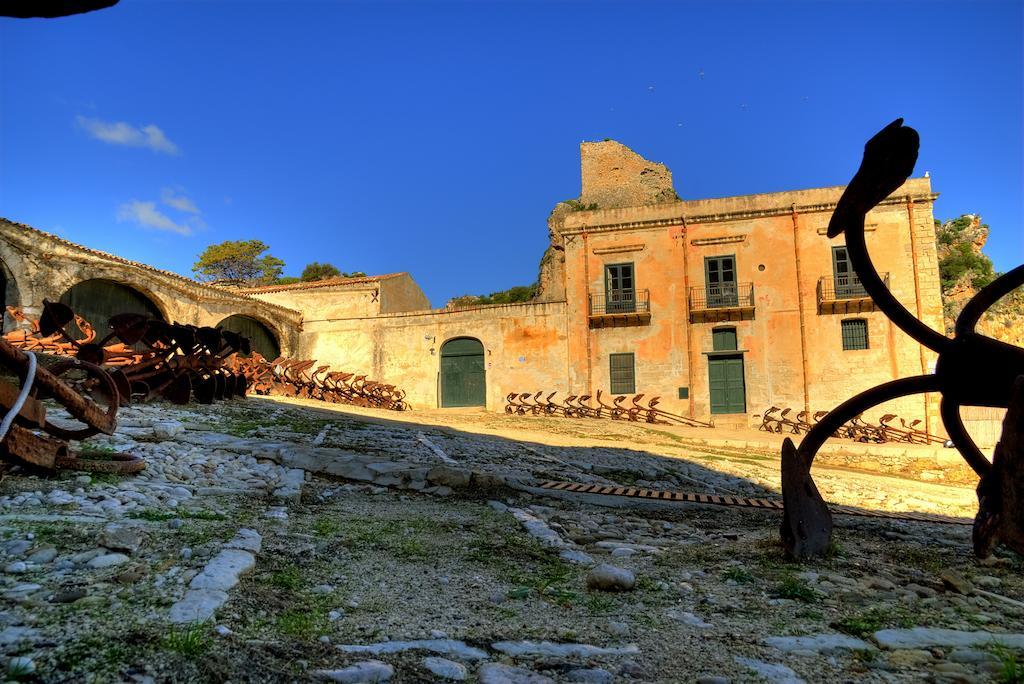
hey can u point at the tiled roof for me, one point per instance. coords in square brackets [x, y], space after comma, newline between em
[128, 262]
[326, 282]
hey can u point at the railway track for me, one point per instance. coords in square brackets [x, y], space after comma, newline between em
[739, 501]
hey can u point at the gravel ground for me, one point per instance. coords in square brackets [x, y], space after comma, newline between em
[496, 581]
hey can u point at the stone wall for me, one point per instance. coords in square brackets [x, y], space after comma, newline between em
[615, 176]
[43, 266]
[525, 348]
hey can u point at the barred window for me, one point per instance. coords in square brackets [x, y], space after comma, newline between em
[855, 334]
[622, 373]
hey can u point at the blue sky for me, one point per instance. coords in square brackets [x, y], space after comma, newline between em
[436, 137]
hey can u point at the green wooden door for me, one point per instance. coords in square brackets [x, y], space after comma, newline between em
[725, 378]
[463, 378]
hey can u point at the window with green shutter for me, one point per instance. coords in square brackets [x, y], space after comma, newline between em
[855, 334]
[622, 373]
[723, 339]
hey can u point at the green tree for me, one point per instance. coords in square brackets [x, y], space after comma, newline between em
[513, 295]
[318, 271]
[238, 261]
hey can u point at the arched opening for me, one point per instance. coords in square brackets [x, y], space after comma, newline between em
[8, 295]
[463, 375]
[98, 299]
[260, 336]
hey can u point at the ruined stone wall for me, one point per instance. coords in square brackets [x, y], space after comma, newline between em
[44, 266]
[401, 293]
[615, 176]
[525, 348]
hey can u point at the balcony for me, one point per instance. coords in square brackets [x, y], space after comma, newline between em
[619, 308]
[725, 302]
[845, 294]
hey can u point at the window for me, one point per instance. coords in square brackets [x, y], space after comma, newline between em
[723, 339]
[855, 334]
[619, 288]
[622, 373]
[847, 283]
[720, 281]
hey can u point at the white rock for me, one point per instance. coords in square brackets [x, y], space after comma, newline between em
[223, 630]
[198, 605]
[107, 560]
[687, 618]
[820, 643]
[223, 570]
[775, 673]
[19, 666]
[449, 647]
[928, 637]
[496, 673]
[366, 672]
[518, 649]
[446, 669]
[610, 578]
[16, 568]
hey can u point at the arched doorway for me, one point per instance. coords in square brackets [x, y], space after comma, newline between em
[260, 336]
[97, 300]
[463, 378]
[8, 295]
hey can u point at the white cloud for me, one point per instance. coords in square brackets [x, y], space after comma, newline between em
[147, 215]
[121, 133]
[173, 198]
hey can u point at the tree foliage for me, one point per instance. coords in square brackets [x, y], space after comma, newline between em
[519, 293]
[959, 257]
[238, 261]
[318, 271]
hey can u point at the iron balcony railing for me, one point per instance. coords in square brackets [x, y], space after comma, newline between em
[620, 302]
[724, 296]
[834, 288]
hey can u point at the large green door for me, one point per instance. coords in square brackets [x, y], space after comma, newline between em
[462, 373]
[725, 378]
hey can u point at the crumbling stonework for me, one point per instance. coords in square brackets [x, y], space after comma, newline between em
[616, 176]
[38, 265]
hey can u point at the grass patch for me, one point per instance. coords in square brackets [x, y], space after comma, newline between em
[326, 527]
[550, 582]
[157, 515]
[301, 623]
[1011, 670]
[792, 587]
[289, 578]
[191, 641]
[861, 624]
[737, 574]
[597, 604]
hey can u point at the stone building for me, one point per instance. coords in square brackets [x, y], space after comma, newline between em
[722, 307]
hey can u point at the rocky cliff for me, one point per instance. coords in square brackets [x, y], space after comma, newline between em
[964, 269]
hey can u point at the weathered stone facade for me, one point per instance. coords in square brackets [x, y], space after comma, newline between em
[42, 266]
[785, 330]
[790, 345]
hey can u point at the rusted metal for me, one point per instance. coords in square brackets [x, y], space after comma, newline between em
[581, 406]
[972, 370]
[779, 420]
[304, 378]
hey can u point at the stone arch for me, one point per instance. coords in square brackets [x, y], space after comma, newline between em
[97, 299]
[262, 336]
[463, 374]
[10, 295]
